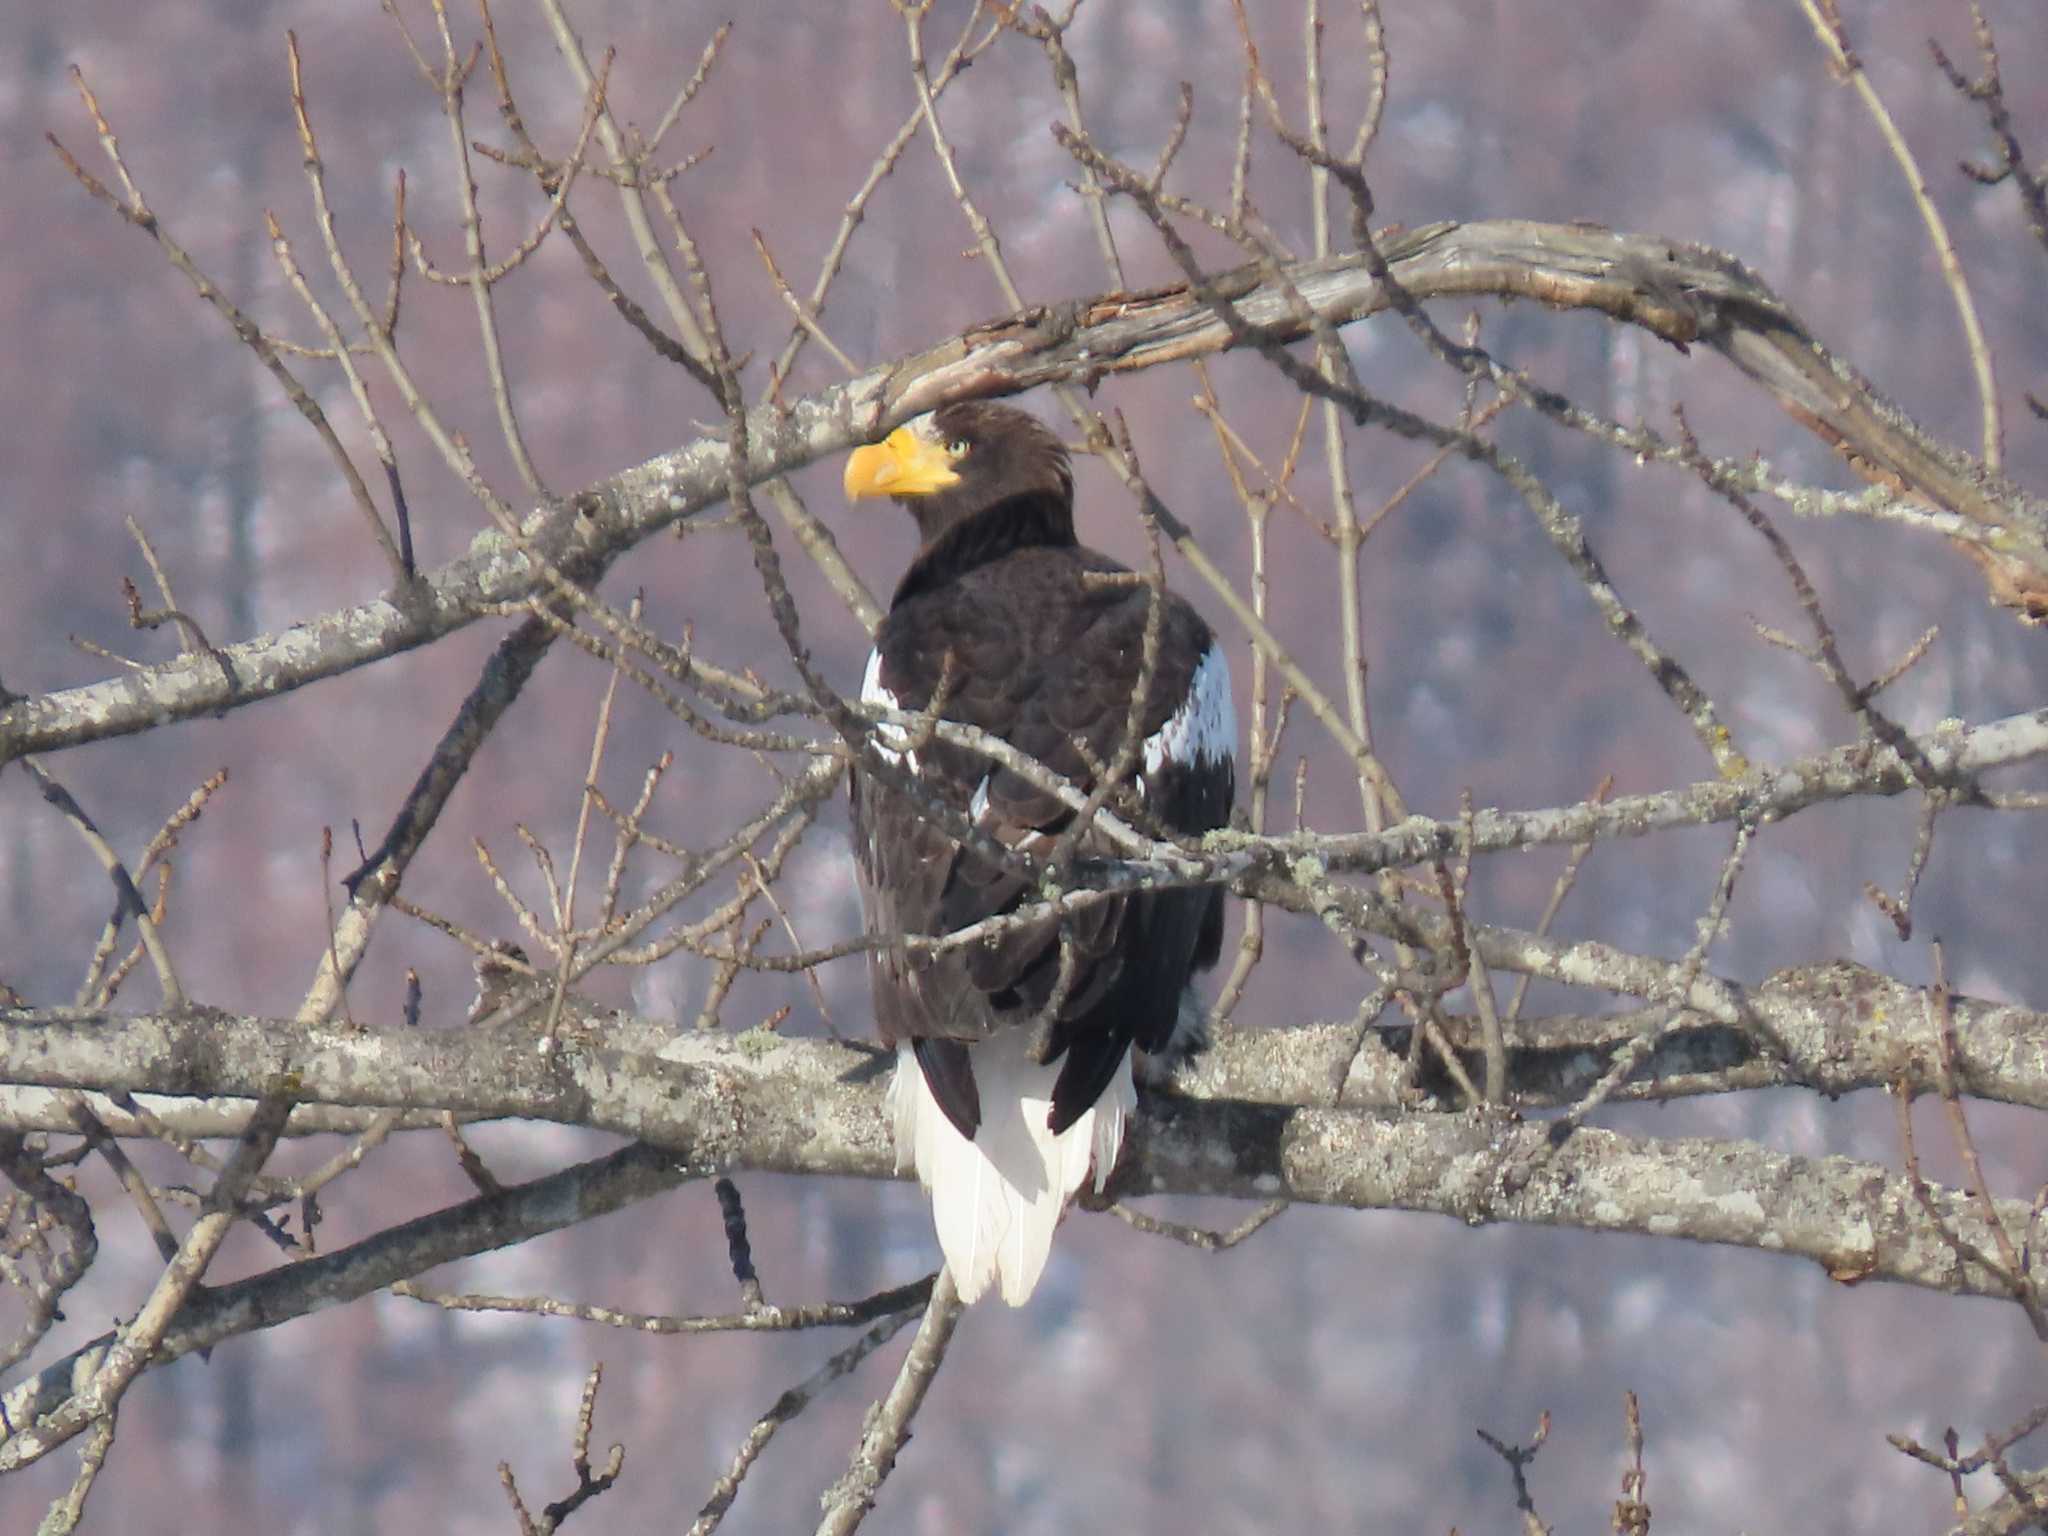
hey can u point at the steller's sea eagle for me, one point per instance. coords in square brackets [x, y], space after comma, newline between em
[1012, 1081]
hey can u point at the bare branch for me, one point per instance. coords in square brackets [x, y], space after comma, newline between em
[849, 1500]
[1828, 27]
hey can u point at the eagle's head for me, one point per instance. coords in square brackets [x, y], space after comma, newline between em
[960, 460]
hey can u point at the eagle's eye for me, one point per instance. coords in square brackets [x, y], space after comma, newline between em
[957, 448]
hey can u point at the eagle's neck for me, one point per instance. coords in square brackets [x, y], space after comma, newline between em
[954, 545]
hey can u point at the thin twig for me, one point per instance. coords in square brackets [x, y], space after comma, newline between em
[1518, 1458]
[2016, 1268]
[588, 1486]
[848, 1501]
[138, 213]
[1203, 1239]
[1826, 18]
[790, 1404]
[127, 899]
[1989, 90]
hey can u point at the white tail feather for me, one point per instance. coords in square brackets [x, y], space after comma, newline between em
[996, 1199]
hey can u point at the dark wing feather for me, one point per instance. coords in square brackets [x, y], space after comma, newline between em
[1043, 658]
[951, 1075]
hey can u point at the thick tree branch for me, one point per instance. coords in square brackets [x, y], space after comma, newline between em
[1854, 1218]
[759, 1101]
[1685, 294]
[1847, 1028]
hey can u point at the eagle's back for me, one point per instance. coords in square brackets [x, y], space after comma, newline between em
[1043, 648]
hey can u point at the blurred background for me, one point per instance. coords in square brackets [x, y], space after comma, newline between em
[1331, 1373]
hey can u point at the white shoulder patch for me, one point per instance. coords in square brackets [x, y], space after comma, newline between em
[889, 739]
[1204, 728]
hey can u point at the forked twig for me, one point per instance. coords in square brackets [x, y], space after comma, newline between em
[848, 1501]
[589, 1485]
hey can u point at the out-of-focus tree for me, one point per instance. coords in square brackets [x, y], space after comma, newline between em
[1638, 793]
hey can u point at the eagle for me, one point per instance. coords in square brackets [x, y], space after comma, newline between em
[1014, 1052]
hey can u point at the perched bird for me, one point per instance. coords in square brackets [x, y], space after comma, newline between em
[1012, 1078]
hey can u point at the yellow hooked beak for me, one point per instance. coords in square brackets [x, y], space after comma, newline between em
[902, 464]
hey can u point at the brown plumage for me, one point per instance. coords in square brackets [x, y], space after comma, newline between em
[1046, 655]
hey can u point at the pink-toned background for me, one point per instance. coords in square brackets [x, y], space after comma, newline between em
[1331, 1373]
